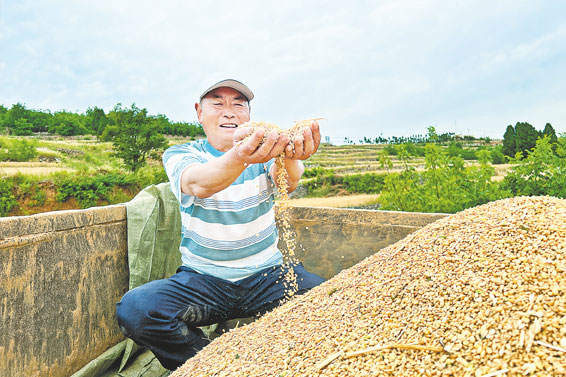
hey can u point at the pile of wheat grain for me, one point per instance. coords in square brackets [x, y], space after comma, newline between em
[478, 293]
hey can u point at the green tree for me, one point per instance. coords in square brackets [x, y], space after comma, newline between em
[17, 112]
[134, 135]
[497, 156]
[525, 137]
[22, 121]
[549, 131]
[40, 120]
[96, 120]
[3, 112]
[65, 123]
[432, 136]
[22, 127]
[446, 184]
[509, 142]
[542, 172]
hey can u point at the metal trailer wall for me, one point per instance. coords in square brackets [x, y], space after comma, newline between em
[61, 274]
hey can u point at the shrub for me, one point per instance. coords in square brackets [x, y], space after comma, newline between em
[17, 150]
[316, 171]
[322, 184]
[87, 190]
[542, 172]
[7, 198]
[446, 185]
[368, 183]
[497, 156]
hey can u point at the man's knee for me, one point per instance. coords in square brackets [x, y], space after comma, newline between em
[131, 314]
[306, 280]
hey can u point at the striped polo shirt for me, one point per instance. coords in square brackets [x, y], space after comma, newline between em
[231, 234]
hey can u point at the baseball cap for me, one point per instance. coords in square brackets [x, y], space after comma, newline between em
[230, 83]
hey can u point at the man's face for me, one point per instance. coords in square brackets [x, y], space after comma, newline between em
[220, 112]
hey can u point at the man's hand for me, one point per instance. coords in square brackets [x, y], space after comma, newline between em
[251, 152]
[305, 145]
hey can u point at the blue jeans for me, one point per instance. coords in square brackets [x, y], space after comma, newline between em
[163, 315]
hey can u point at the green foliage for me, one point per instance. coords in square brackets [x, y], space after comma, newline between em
[509, 143]
[7, 198]
[550, 132]
[323, 184]
[22, 127]
[96, 120]
[525, 137]
[431, 135]
[38, 198]
[17, 150]
[542, 172]
[316, 171]
[445, 185]
[149, 175]
[411, 149]
[87, 190]
[68, 124]
[20, 121]
[390, 149]
[497, 156]
[455, 149]
[28, 187]
[134, 135]
[320, 191]
[415, 150]
[368, 183]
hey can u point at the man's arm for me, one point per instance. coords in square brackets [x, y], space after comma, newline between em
[304, 147]
[204, 180]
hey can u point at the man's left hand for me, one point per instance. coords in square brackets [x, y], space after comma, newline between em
[306, 144]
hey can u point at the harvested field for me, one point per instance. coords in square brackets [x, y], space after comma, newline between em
[31, 170]
[478, 293]
[336, 201]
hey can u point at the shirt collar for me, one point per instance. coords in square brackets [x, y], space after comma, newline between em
[215, 152]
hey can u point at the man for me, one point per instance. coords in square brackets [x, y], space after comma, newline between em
[231, 264]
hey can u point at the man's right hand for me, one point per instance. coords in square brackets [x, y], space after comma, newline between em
[252, 150]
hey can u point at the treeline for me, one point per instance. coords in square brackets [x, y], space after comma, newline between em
[522, 138]
[21, 121]
[431, 137]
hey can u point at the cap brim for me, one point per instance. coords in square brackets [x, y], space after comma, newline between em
[229, 83]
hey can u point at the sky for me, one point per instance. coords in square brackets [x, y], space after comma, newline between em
[369, 68]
